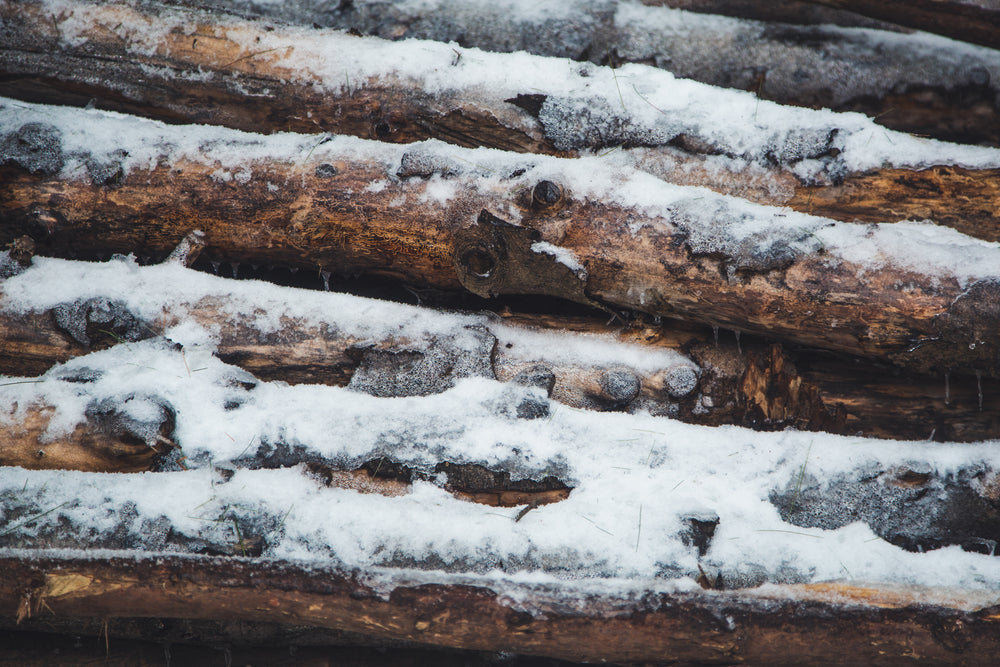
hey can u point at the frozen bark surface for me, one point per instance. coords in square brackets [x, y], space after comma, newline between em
[594, 231]
[913, 83]
[976, 21]
[686, 372]
[191, 66]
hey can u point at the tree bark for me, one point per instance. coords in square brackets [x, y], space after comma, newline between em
[907, 83]
[829, 623]
[975, 21]
[209, 76]
[783, 11]
[746, 382]
[343, 210]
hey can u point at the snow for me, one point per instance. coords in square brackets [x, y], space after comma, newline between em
[635, 104]
[752, 236]
[565, 257]
[637, 480]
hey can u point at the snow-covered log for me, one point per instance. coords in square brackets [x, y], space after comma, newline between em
[976, 21]
[914, 83]
[833, 624]
[782, 11]
[190, 66]
[685, 372]
[592, 230]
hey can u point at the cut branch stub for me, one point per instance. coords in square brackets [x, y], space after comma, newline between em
[495, 257]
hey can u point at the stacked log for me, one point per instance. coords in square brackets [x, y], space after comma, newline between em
[848, 310]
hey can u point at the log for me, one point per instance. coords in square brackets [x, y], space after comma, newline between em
[202, 70]
[783, 11]
[909, 83]
[506, 224]
[747, 382]
[976, 21]
[828, 623]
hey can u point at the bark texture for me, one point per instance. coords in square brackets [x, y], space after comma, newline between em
[325, 217]
[830, 623]
[907, 83]
[208, 76]
[748, 381]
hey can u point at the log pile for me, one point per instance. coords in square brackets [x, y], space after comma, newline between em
[605, 246]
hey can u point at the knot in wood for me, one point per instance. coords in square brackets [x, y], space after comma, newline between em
[547, 196]
[494, 257]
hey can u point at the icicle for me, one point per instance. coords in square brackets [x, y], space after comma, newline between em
[255, 267]
[715, 332]
[215, 267]
[293, 269]
[979, 386]
[236, 268]
[739, 348]
[325, 275]
[947, 388]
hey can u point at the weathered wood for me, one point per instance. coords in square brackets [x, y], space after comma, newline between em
[105, 442]
[208, 73]
[99, 445]
[976, 21]
[907, 83]
[829, 623]
[784, 11]
[747, 382]
[325, 215]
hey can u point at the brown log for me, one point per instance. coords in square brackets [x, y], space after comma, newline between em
[784, 11]
[325, 216]
[975, 21]
[208, 76]
[129, 643]
[748, 382]
[828, 623]
[909, 84]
